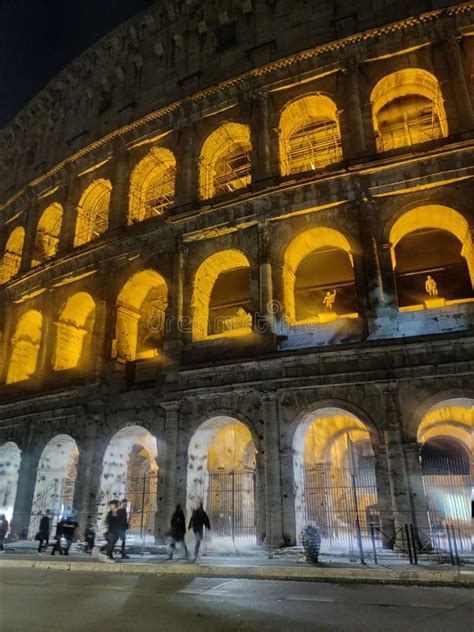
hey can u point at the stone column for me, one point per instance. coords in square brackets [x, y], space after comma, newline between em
[88, 475]
[25, 492]
[273, 495]
[353, 108]
[261, 167]
[29, 242]
[400, 491]
[71, 197]
[419, 503]
[260, 505]
[173, 334]
[120, 186]
[384, 498]
[187, 165]
[388, 276]
[288, 496]
[266, 306]
[458, 82]
[169, 469]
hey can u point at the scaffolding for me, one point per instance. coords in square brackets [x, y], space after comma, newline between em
[231, 171]
[93, 220]
[46, 242]
[9, 265]
[312, 146]
[155, 199]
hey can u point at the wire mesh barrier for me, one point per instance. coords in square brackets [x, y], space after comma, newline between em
[231, 504]
[313, 146]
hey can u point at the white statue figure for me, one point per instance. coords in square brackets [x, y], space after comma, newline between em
[431, 287]
[328, 300]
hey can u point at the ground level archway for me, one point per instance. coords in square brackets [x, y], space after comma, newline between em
[10, 460]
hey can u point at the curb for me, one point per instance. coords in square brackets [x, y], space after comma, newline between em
[308, 574]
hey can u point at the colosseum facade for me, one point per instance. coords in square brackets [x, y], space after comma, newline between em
[237, 264]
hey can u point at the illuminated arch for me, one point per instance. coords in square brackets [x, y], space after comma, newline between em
[93, 212]
[407, 108]
[74, 331]
[25, 345]
[47, 234]
[204, 280]
[434, 216]
[152, 185]
[10, 460]
[301, 246]
[452, 418]
[309, 134]
[224, 164]
[141, 307]
[11, 260]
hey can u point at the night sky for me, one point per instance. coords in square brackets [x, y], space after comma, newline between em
[40, 37]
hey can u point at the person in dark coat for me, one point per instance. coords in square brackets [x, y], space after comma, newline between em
[89, 536]
[70, 525]
[59, 534]
[113, 522]
[3, 530]
[123, 527]
[199, 520]
[178, 531]
[43, 531]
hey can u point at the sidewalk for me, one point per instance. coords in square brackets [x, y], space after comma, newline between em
[258, 566]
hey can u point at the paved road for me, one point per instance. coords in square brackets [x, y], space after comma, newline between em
[59, 601]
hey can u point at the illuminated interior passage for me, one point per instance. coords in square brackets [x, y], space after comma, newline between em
[10, 460]
[407, 108]
[141, 310]
[130, 471]
[432, 241]
[55, 480]
[11, 259]
[152, 185]
[74, 332]
[317, 262]
[47, 234]
[224, 164]
[309, 134]
[334, 469]
[93, 212]
[221, 473]
[221, 294]
[25, 345]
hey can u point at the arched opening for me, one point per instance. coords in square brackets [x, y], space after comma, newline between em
[152, 185]
[74, 332]
[221, 296]
[130, 471]
[55, 480]
[335, 483]
[224, 164]
[10, 460]
[25, 345]
[221, 473]
[141, 309]
[12, 254]
[446, 438]
[407, 108]
[309, 135]
[433, 257]
[318, 277]
[47, 234]
[93, 212]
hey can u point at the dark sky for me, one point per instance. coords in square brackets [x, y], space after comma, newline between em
[39, 37]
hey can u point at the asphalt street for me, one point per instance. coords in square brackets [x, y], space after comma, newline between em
[45, 600]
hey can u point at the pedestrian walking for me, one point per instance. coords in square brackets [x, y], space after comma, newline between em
[89, 536]
[43, 532]
[58, 544]
[178, 532]
[123, 526]
[3, 531]
[112, 521]
[70, 525]
[199, 520]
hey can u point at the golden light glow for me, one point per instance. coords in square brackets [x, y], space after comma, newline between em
[93, 212]
[453, 418]
[224, 164]
[434, 216]
[309, 134]
[300, 247]
[232, 447]
[11, 260]
[325, 437]
[407, 108]
[47, 234]
[25, 345]
[204, 280]
[74, 331]
[152, 185]
[141, 307]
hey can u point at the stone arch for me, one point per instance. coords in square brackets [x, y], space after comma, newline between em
[47, 234]
[10, 461]
[309, 137]
[407, 108]
[304, 244]
[11, 259]
[129, 470]
[74, 332]
[222, 262]
[152, 185]
[55, 480]
[224, 162]
[25, 345]
[93, 212]
[141, 309]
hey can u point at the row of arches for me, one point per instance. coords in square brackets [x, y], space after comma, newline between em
[407, 109]
[335, 475]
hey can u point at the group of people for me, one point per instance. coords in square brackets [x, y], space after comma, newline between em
[116, 522]
[65, 529]
[199, 520]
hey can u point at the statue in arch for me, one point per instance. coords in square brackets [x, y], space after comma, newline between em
[329, 300]
[431, 287]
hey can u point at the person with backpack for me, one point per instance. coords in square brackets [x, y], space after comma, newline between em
[199, 520]
[178, 531]
[3, 531]
[43, 531]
